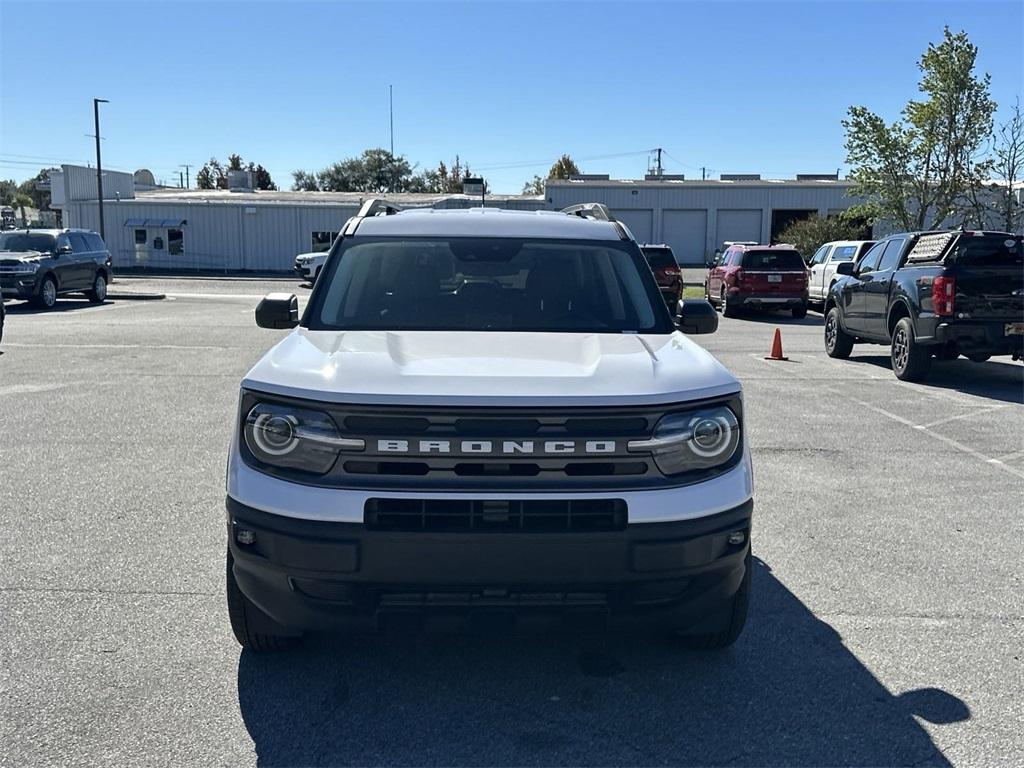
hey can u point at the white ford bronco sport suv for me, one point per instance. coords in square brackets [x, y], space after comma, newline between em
[487, 414]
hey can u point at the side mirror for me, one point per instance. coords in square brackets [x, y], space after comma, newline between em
[278, 310]
[62, 250]
[844, 268]
[696, 316]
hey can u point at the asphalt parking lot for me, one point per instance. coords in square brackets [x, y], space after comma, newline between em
[887, 624]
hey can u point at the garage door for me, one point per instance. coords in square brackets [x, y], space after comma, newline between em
[638, 221]
[686, 232]
[738, 225]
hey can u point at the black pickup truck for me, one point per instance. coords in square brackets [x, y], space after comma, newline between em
[931, 294]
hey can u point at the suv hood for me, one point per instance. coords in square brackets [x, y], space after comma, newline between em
[489, 368]
[19, 257]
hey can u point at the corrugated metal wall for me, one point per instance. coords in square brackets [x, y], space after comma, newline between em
[686, 216]
[79, 183]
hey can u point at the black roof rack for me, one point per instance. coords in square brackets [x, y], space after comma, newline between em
[375, 206]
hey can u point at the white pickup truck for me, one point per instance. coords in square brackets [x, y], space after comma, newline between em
[487, 414]
[823, 264]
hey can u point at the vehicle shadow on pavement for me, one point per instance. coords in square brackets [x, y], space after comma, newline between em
[789, 692]
[62, 305]
[998, 379]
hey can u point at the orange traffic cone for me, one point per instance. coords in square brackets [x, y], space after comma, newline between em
[776, 353]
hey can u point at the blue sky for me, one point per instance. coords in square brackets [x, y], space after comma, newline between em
[736, 87]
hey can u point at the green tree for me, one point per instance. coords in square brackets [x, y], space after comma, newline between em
[564, 168]
[810, 233]
[40, 197]
[8, 189]
[22, 201]
[303, 181]
[214, 175]
[376, 170]
[922, 169]
[1008, 168]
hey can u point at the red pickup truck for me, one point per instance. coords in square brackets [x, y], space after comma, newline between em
[758, 277]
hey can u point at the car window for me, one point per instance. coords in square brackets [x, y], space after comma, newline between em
[78, 244]
[870, 260]
[94, 241]
[819, 255]
[27, 241]
[864, 247]
[659, 258]
[890, 259]
[493, 284]
[63, 241]
[783, 260]
[988, 250]
[844, 253]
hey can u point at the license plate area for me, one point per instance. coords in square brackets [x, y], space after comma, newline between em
[1013, 329]
[774, 278]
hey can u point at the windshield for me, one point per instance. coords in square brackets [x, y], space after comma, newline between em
[660, 258]
[844, 253]
[988, 251]
[27, 241]
[781, 260]
[494, 284]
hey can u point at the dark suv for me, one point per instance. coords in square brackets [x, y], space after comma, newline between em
[41, 264]
[666, 273]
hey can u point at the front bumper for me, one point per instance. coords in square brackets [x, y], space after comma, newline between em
[16, 286]
[981, 336]
[312, 575]
[302, 270]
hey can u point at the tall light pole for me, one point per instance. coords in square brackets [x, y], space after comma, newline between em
[99, 168]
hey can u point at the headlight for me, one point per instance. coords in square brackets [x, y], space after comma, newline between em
[684, 442]
[295, 438]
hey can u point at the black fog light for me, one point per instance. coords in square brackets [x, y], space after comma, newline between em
[736, 538]
[245, 537]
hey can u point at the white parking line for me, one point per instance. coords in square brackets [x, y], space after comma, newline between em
[922, 428]
[977, 409]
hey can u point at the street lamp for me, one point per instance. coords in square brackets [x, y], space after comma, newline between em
[99, 168]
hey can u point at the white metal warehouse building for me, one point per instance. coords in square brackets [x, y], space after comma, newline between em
[262, 231]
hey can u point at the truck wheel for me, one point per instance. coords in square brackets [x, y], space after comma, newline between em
[737, 612]
[244, 616]
[910, 360]
[47, 296]
[800, 312]
[728, 310]
[838, 343]
[98, 294]
[978, 358]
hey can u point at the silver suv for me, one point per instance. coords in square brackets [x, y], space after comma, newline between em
[41, 264]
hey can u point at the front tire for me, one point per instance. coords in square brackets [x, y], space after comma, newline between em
[98, 293]
[910, 360]
[978, 358]
[47, 296]
[838, 343]
[737, 618]
[246, 618]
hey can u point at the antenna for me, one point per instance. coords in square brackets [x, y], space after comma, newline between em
[391, 116]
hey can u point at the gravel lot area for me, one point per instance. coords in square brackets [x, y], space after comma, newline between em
[887, 624]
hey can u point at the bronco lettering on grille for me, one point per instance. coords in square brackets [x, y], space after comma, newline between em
[496, 447]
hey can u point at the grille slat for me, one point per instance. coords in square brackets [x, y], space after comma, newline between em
[495, 515]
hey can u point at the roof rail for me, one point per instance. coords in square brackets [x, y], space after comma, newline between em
[375, 206]
[597, 211]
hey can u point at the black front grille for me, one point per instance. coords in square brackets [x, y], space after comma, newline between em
[495, 515]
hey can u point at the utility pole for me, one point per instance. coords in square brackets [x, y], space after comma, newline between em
[391, 116]
[181, 179]
[659, 160]
[703, 173]
[186, 166]
[99, 168]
